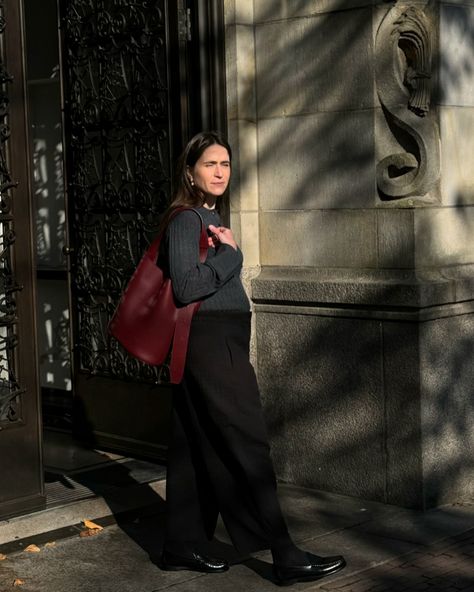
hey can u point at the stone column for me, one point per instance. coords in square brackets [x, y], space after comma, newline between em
[242, 123]
[242, 133]
[362, 128]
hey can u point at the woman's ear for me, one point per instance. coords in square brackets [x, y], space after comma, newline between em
[189, 175]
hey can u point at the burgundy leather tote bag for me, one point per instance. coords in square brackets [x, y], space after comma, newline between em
[147, 322]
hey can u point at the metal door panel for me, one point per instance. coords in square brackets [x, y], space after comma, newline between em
[21, 485]
[120, 127]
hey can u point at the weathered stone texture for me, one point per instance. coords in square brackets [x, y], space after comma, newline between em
[401, 376]
[456, 66]
[322, 63]
[395, 238]
[444, 236]
[365, 301]
[319, 238]
[239, 12]
[446, 350]
[457, 146]
[241, 62]
[271, 10]
[326, 424]
[370, 407]
[312, 161]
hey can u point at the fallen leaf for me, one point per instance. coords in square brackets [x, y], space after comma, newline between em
[2, 557]
[92, 525]
[18, 582]
[32, 549]
[89, 532]
[47, 545]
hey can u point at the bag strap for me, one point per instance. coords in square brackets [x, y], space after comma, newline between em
[185, 315]
[180, 342]
[203, 242]
[203, 239]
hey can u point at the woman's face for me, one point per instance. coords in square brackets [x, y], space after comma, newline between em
[211, 173]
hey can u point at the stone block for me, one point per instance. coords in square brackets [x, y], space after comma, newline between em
[321, 386]
[247, 166]
[317, 161]
[379, 408]
[242, 136]
[447, 408]
[238, 12]
[236, 226]
[410, 294]
[250, 238]
[229, 12]
[231, 60]
[395, 238]
[401, 376]
[444, 236]
[462, 278]
[456, 70]
[246, 72]
[456, 2]
[318, 238]
[320, 63]
[233, 138]
[457, 143]
[240, 72]
[267, 10]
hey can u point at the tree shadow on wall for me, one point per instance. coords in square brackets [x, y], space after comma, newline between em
[348, 395]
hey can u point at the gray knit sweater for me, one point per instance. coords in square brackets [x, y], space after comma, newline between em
[216, 281]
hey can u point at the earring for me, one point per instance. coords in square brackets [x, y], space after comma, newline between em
[192, 182]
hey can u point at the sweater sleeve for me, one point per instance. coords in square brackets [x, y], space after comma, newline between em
[191, 279]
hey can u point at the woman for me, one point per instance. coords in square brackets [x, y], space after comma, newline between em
[219, 458]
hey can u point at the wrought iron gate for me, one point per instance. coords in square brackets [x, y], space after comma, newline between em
[119, 145]
[128, 93]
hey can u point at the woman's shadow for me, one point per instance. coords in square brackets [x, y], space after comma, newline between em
[134, 491]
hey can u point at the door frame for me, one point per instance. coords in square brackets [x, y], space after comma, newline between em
[202, 66]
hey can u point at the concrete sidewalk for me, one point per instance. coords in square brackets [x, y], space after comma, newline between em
[387, 548]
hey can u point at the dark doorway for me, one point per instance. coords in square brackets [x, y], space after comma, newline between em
[113, 95]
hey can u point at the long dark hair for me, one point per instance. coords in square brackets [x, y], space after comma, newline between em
[184, 193]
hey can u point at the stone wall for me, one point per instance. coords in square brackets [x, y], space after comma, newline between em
[353, 196]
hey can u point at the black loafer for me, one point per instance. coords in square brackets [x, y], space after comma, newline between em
[317, 567]
[192, 562]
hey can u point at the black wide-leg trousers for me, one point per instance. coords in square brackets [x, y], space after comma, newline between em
[219, 457]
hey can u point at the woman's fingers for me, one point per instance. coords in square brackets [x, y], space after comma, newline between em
[223, 235]
[216, 231]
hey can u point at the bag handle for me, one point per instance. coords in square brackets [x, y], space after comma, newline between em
[186, 313]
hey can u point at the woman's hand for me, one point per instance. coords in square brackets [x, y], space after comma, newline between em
[221, 234]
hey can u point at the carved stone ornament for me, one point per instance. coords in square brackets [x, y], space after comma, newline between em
[403, 81]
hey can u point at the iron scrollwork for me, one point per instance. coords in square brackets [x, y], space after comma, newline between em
[117, 119]
[10, 390]
[403, 76]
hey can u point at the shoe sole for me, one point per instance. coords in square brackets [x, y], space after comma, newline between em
[185, 568]
[309, 577]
